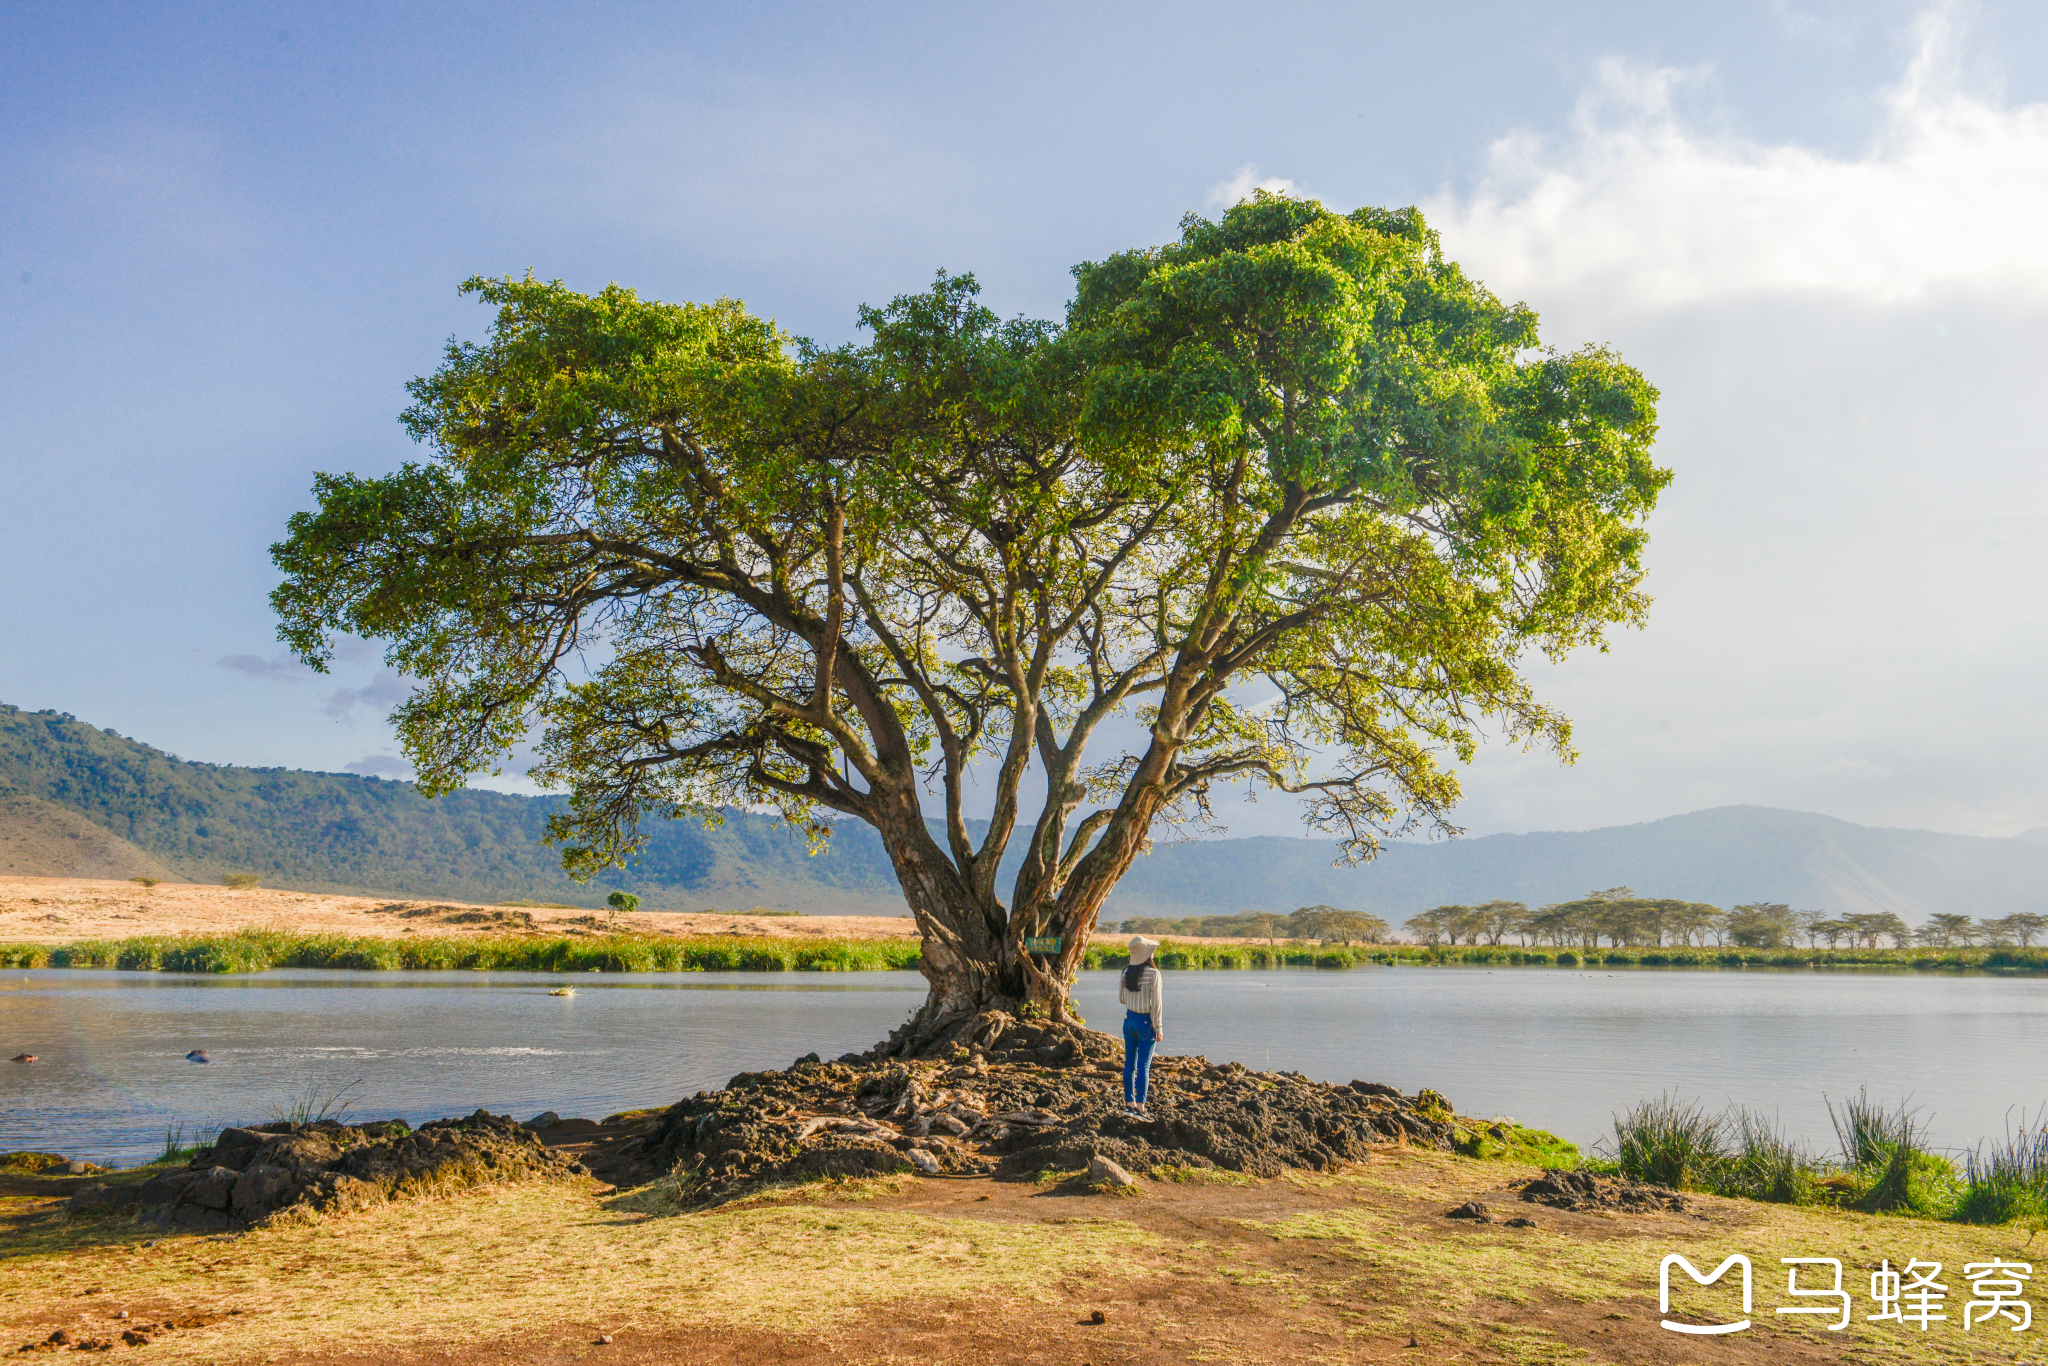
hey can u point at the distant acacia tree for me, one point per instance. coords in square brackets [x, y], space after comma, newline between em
[1871, 926]
[1332, 925]
[1499, 919]
[719, 566]
[1436, 924]
[1949, 929]
[2021, 928]
[1762, 924]
[1834, 931]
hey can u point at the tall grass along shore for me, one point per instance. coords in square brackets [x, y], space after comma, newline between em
[255, 949]
[1884, 1164]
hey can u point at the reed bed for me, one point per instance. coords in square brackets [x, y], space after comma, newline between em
[258, 949]
[1883, 1163]
[255, 949]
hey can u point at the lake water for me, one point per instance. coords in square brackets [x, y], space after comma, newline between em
[1556, 1048]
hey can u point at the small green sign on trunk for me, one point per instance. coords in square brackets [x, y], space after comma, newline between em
[1042, 944]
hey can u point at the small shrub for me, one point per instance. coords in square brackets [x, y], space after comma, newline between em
[1765, 1164]
[1865, 1129]
[145, 881]
[2008, 1183]
[241, 882]
[1669, 1142]
[1887, 1153]
[317, 1101]
[176, 1151]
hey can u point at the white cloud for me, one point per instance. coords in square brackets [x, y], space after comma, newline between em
[255, 666]
[388, 689]
[1638, 208]
[1225, 193]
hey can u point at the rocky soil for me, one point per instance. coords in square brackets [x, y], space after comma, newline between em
[1580, 1190]
[1024, 1098]
[255, 1174]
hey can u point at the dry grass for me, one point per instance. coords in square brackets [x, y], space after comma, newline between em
[1338, 1266]
[1456, 1278]
[463, 1269]
[53, 910]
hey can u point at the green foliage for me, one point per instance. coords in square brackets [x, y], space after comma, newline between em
[30, 1163]
[1886, 1151]
[1294, 446]
[1763, 1163]
[317, 1101]
[1509, 1142]
[623, 901]
[241, 882]
[2007, 1182]
[254, 950]
[145, 881]
[1327, 923]
[1671, 1142]
[1173, 954]
[176, 1152]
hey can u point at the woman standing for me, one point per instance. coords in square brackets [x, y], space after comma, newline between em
[1144, 1022]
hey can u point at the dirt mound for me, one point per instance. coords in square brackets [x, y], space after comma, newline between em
[1016, 1110]
[251, 1174]
[1583, 1190]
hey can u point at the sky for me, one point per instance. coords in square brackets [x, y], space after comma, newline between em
[229, 234]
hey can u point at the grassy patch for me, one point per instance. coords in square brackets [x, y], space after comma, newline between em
[1508, 1142]
[1449, 1285]
[1213, 1176]
[471, 1267]
[256, 948]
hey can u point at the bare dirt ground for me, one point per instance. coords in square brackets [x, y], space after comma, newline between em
[1359, 1265]
[56, 910]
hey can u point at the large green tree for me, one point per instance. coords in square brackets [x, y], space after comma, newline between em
[1285, 502]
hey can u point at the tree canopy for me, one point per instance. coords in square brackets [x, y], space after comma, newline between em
[1293, 495]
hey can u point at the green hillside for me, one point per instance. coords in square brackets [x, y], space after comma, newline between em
[340, 832]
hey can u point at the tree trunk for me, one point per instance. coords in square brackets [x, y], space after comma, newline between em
[972, 955]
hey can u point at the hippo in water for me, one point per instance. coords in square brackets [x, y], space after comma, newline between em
[197, 1055]
[24, 1057]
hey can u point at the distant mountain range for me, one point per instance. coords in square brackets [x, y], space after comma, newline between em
[81, 801]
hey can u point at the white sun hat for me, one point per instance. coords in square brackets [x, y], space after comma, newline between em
[1141, 949]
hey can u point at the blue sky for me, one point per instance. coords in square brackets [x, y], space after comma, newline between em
[229, 235]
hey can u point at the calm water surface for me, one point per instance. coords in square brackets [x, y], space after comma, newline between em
[1556, 1048]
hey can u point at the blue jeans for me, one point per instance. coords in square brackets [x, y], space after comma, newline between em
[1138, 1043]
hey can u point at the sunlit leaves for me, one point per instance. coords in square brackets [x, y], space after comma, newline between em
[1294, 454]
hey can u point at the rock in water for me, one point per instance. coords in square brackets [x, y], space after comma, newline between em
[1101, 1168]
[197, 1055]
[24, 1057]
